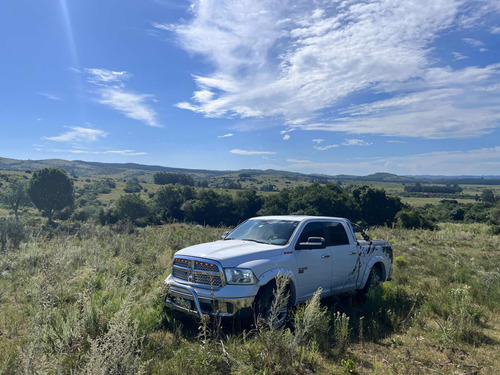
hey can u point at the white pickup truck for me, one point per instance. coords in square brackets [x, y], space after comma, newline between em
[236, 276]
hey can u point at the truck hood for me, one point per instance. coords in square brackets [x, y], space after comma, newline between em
[232, 253]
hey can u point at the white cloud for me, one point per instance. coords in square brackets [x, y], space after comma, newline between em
[324, 148]
[78, 134]
[356, 142]
[473, 42]
[286, 137]
[225, 135]
[459, 56]
[112, 93]
[294, 62]
[105, 76]
[131, 105]
[89, 152]
[50, 96]
[246, 152]
[495, 30]
[163, 26]
[124, 152]
[472, 162]
[298, 161]
[318, 141]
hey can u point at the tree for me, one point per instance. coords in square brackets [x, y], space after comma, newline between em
[50, 189]
[133, 208]
[375, 206]
[16, 196]
[487, 196]
[132, 187]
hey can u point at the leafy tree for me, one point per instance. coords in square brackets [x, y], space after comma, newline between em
[133, 208]
[487, 196]
[51, 189]
[164, 178]
[247, 203]
[168, 201]
[325, 200]
[16, 196]
[375, 206]
[132, 187]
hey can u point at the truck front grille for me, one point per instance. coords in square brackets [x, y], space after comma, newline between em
[198, 271]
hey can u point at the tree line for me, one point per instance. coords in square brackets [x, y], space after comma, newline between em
[51, 191]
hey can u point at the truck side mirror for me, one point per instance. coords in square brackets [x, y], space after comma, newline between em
[223, 237]
[313, 243]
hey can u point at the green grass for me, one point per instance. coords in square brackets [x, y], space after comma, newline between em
[90, 302]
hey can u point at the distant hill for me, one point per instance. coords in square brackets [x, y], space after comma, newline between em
[131, 170]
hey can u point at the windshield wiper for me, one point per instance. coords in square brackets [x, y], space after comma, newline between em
[250, 239]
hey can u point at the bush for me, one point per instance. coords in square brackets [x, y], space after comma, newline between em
[409, 219]
[11, 233]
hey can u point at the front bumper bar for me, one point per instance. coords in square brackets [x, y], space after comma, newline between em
[185, 298]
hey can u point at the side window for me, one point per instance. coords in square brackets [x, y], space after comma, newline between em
[337, 234]
[311, 230]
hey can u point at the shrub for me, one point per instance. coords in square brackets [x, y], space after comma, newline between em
[11, 233]
[409, 219]
[311, 323]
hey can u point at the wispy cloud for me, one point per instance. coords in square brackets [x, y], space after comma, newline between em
[473, 42]
[318, 141]
[104, 76]
[112, 93]
[298, 161]
[78, 134]
[459, 56]
[471, 162]
[124, 152]
[286, 137]
[324, 148]
[356, 142]
[50, 95]
[90, 152]
[294, 63]
[495, 30]
[225, 135]
[237, 151]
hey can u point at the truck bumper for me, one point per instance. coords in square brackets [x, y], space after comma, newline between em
[187, 299]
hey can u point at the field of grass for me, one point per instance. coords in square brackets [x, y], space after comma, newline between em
[89, 300]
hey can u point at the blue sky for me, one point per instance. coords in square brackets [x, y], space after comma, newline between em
[333, 87]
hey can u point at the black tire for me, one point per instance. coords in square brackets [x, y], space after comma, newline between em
[374, 280]
[263, 305]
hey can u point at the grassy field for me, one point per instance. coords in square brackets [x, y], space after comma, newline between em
[89, 300]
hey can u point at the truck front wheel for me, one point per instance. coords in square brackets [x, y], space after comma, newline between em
[271, 308]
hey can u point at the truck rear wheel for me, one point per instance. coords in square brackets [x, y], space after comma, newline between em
[374, 280]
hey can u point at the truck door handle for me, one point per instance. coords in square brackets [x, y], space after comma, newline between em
[325, 256]
[353, 253]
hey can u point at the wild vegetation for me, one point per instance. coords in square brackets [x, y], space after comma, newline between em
[91, 302]
[83, 293]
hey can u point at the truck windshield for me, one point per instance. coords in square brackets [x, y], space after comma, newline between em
[273, 232]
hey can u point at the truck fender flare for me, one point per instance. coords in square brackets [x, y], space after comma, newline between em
[271, 274]
[369, 266]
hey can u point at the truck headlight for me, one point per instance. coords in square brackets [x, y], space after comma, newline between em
[240, 276]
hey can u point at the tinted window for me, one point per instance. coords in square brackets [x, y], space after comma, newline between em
[311, 230]
[337, 234]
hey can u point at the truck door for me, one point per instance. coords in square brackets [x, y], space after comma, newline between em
[313, 262]
[344, 257]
